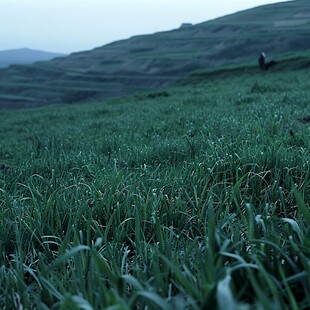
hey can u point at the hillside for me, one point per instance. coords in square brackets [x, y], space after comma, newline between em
[146, 62]
[24, 56]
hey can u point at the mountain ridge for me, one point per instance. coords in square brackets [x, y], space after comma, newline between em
[25, 56]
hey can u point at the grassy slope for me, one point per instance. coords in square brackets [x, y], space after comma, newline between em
[142, 62]
[194, 197]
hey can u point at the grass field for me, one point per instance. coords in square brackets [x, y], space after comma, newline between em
[194, 197]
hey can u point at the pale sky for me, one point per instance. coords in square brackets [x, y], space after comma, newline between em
[76, 25]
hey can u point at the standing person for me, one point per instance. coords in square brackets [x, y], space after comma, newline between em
[262, 61]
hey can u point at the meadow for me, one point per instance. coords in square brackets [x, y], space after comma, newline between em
[193, 197]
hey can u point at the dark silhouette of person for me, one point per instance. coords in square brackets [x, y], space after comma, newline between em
[262, 61]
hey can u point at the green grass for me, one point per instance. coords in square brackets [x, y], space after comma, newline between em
[196, 197]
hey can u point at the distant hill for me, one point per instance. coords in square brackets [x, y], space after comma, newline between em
[149, 61]
[24, 56]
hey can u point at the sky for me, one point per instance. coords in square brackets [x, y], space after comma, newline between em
[76, 25]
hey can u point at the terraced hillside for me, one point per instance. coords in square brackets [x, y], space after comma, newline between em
[143, 62]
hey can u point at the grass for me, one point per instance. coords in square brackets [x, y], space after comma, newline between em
[196, 197]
